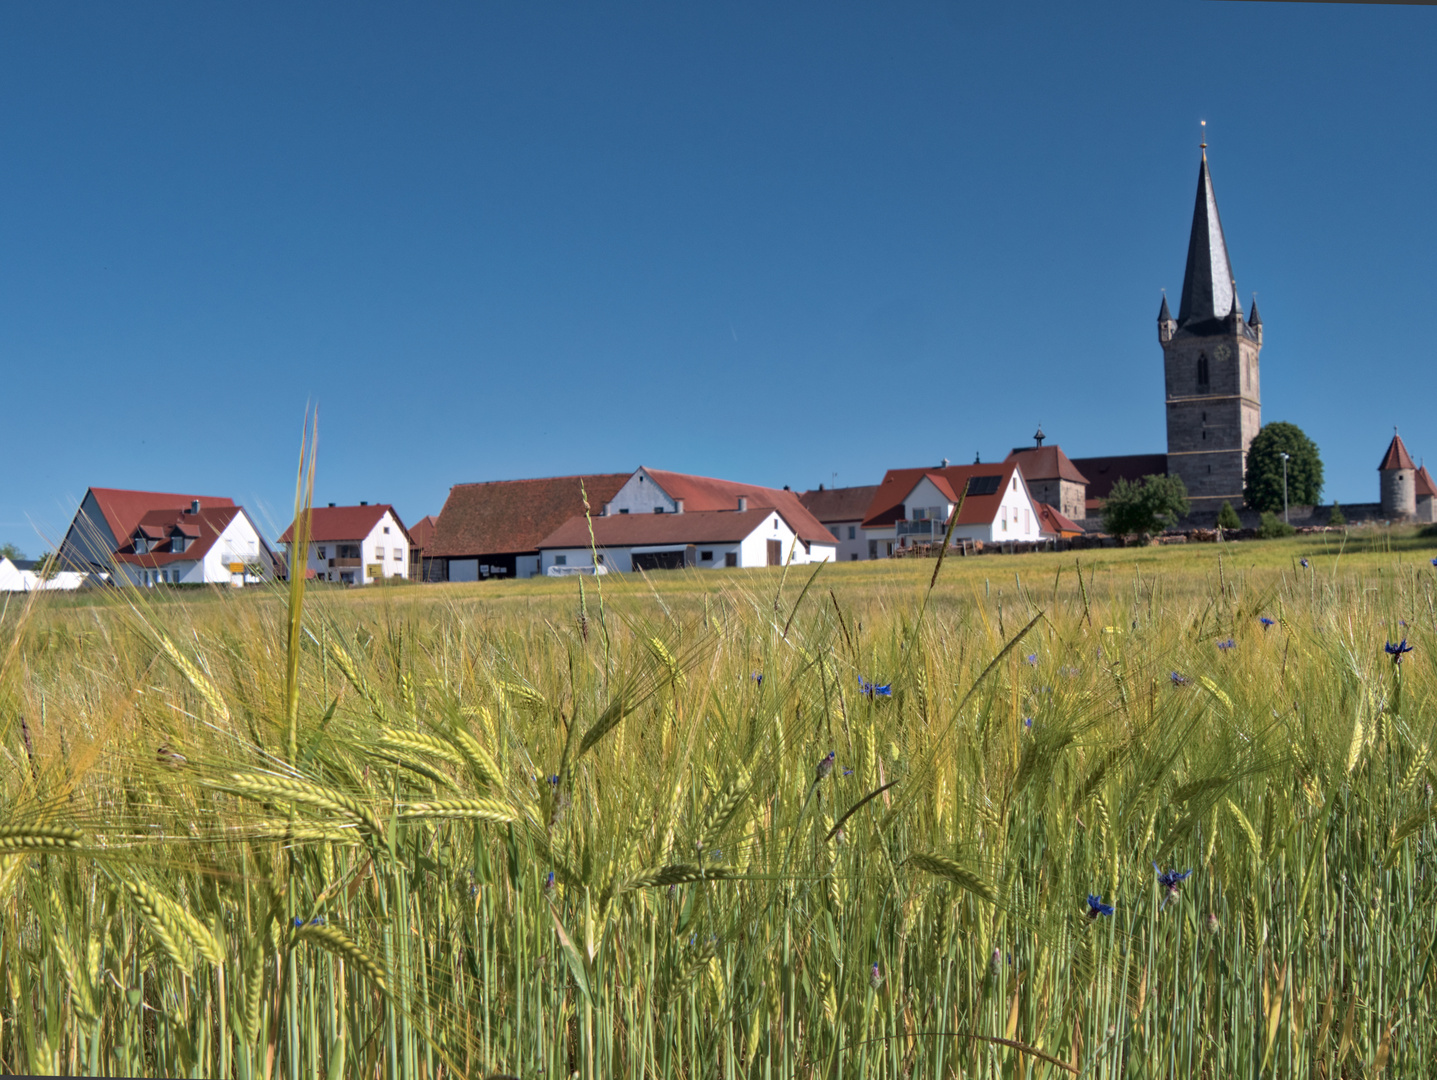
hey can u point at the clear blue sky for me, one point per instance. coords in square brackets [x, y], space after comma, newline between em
[499, 241]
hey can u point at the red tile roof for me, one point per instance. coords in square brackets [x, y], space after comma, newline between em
[208, 523]
[422, 532]
[501, 517]
[1046, 463]
[328, 524]
[1052, 521]
[690, 527]
[887, 505]
[839, 504]
[701, 493]
[123, 509]
[1424, 486]
[1396, 457]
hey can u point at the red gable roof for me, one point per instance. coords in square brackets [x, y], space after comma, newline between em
[205, 528]
[1396, 457]
[898, 484]
[701, 493]
[1051, 521]
[1424, 486]
[690, 527]
[123, 509]
[328, 524]
[839, 504]
[1046, 463]
[422, 532]
[501, 517]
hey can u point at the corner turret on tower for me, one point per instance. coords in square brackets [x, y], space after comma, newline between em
[1254, 320]
[1167, 325]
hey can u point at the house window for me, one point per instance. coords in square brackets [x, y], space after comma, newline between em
[141, 546]
[853, 556]
[730, 558]
[398, 554]
[1015, 483]
[561, 560]
[623, 511]
[386, 530]
[853, 534]
[873, 549]
[835, 530]
[658, 509]
[178, 543]
[775, 523]
[600, 558]
[378, 552]
[706, 556]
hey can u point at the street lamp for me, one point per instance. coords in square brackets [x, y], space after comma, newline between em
[1284, 456]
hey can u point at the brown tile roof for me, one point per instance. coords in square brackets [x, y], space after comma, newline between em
[690, 527]
[1424, 486]
[123, 509]
[1397, 456]
[501, 517]
[422, 532]
[701, 493]
[1046, 463]
[1052, 521]
[208, 523]
[1104, 472]
[328, 524]
[887, 505]
[839, 504]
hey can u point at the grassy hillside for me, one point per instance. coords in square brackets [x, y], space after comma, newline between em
[223, 856]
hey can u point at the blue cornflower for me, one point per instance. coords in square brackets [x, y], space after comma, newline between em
[1033, 659]
[549, 883]
[1096, 907]
[875, 977]
[757, 677]
[868, 689]
[298, 921]
[1434, 562]
[318, 920]
[847, 772]
[1171, 879]
[1266, 622]
[1304, 563]
[1027, 721]
[825, 766]
[554, 781]
[1178, 678]
[1396, 651]
[1228, 644]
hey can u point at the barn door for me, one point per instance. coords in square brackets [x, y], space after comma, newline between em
[775, 553]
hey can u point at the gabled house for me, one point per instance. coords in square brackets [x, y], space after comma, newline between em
[421, 538]
[912, 506]
[1055, 526]
[29, 575]
[197, 545]
[1426, 495]
[352, 545]
[106, 520]
[1052, 477]
[841, 510]
[492, 529]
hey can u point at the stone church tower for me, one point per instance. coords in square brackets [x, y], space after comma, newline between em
[1214, 403]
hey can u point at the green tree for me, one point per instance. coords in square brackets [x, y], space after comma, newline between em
[1273, 526]
[1337, 518]
[1227, 517]
[1263, 489]
[10, 551]
[1150, 505]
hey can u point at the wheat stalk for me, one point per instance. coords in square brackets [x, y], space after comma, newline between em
[335, 940]
[268, 788]
[473, 809]
[20, 838]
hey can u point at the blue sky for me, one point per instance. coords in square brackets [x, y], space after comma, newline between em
[499, 241]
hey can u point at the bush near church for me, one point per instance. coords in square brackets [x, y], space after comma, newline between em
[1148, 506]
[1227, 517]
[1263, 486]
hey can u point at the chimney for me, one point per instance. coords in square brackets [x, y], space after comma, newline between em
[194, 506]
[680, 504]
[331, 504]
[742, 504]
[363, 503]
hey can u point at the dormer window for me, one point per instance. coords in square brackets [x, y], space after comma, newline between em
[179, 542]
[142, 546]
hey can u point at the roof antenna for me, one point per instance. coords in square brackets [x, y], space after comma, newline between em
[1204, 139]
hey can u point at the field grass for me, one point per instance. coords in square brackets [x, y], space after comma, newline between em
[513, 829]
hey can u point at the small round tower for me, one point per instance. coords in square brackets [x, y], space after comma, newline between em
[1399, 480]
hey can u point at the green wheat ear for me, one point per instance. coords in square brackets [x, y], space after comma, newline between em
[335, 940]
[20, 838]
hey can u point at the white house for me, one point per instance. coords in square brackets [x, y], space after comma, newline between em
[662, 520]
[197, 545]
[842, 510]
[912, 506]
[106, 520]
[354, 545]
[24, 575]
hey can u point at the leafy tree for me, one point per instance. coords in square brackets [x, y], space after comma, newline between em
[1227, 517]
[1150, 505]
[1273, 526]
[1263, 489]
[1337, 518]
[10, 551]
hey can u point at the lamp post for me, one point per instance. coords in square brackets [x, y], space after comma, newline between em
[1284, 457]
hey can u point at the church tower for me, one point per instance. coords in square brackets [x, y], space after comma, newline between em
[1214, 402]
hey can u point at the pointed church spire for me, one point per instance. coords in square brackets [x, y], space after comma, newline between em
[1255, 319]
[1207, 281]
[1164, 315]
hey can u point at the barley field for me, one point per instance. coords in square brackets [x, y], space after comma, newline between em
[1124, 813]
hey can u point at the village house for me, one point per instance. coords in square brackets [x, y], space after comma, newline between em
[662, 520]
[155, 538]
[841, 510]
[29, 575]
[353, 545]
[1052, 477]
[421, 538]
[912, 506]
[492, 529]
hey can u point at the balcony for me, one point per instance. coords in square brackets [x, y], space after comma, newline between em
[922, 530]
[345, 562]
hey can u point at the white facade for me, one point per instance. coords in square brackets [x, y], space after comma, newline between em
[382, 553]
[850, 539]
[1016, 520]
[24, 579]
[640, 495]
[751, 551]
[238, 545]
